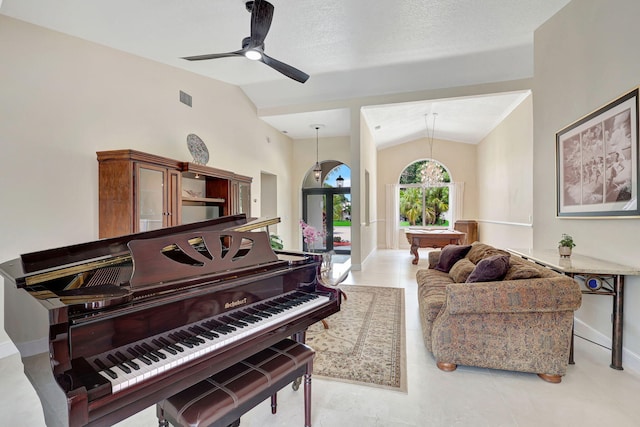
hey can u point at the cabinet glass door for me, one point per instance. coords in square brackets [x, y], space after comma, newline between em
[244, 197]
[151, 199]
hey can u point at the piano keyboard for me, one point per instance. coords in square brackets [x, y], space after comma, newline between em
[140, 362]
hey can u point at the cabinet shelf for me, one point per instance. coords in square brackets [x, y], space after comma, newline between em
[204, 199]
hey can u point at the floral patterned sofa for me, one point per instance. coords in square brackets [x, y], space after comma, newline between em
[479, 306]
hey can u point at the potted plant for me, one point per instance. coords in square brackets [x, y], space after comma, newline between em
[276, 242]
[565, 245]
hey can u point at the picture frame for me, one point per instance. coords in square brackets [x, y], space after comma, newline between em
[597, 162]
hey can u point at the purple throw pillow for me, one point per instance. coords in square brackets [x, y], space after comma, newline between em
[490, 269]
[451, 254]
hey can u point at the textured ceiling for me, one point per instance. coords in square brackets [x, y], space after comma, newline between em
[350, 48]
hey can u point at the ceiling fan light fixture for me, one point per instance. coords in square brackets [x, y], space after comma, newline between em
[253, 54]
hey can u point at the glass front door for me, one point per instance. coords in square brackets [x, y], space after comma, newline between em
[333, 218]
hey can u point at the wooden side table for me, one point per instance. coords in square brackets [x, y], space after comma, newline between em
[599, 278]
[468, 227]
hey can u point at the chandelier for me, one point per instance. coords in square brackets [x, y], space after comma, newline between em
[317, 169]
[431, 172]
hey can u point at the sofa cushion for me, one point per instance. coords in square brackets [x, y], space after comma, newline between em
[480, 251]
[450, 255]
[520, 270]
[461, 270]
[490, 269]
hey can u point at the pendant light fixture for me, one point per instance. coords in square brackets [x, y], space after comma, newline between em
[317, 170]
[431, 172]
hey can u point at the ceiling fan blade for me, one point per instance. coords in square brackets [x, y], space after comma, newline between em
[214, 55]
[287, 70]
[261, 17]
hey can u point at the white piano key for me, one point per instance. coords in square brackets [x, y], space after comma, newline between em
[145, 372]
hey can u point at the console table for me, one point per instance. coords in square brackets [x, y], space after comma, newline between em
[421, 238]
[599, 278]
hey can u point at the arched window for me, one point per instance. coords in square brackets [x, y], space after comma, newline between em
[424, 195]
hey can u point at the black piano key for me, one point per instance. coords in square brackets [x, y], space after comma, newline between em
[104, 368]
[230, 321]
[139, 355]
[171, 346]
[195, 340]
[117, 363]
[146, 354]
[259, 313]
[127, 361]
[245, 317]
[201, 331]
[198, 339]
[218, 327]
[165, 347]
[154, 352]
[181, 340]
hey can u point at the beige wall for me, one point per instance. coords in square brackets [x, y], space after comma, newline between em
[368, 193]
[459, 158]
[62, 99]
[505, 179]
[585, 56]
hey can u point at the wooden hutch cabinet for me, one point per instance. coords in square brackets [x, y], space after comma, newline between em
[142, 192]
[210, 192]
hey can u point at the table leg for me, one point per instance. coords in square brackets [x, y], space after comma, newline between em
[415, 244]
[616, 335]
[571, 361]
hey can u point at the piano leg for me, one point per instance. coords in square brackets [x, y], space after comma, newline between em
[307, 394]
[300, 337]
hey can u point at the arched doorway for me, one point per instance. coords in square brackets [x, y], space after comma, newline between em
[326, 206]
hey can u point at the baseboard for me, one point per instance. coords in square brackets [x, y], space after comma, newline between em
[630, 360]
[7, 349]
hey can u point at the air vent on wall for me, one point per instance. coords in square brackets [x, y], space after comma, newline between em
[185, 98]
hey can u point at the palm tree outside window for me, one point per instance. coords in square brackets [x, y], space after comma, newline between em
[422, 205]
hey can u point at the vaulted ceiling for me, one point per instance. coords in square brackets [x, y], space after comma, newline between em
[350, 49]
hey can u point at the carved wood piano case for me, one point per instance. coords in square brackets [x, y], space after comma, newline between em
[108, 328]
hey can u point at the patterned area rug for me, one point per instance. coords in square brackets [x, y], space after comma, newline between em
[365, 342]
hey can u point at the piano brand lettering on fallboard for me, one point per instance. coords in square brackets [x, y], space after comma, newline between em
[235, 303]
[172, 332]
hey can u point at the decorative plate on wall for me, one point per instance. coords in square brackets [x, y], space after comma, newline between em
[198, 149]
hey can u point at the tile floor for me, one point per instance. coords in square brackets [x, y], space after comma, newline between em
[591, 394]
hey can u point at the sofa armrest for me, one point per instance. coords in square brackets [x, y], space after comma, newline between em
[434, 257]
[514, 296]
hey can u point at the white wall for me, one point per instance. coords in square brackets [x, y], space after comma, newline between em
[62, 99]
[505, 181]
[585, 56]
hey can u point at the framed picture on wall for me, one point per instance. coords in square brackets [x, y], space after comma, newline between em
[597, 162]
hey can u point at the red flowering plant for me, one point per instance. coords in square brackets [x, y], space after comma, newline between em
[310, 234]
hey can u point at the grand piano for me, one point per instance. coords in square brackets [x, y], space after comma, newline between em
[108, 328]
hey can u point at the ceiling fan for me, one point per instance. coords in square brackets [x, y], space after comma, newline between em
[253, 46]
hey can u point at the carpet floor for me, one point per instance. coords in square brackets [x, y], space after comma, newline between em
[365, 342]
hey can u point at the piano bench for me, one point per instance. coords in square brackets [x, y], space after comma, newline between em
[221, 399]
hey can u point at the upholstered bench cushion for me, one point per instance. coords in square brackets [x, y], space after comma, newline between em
[225, 396]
